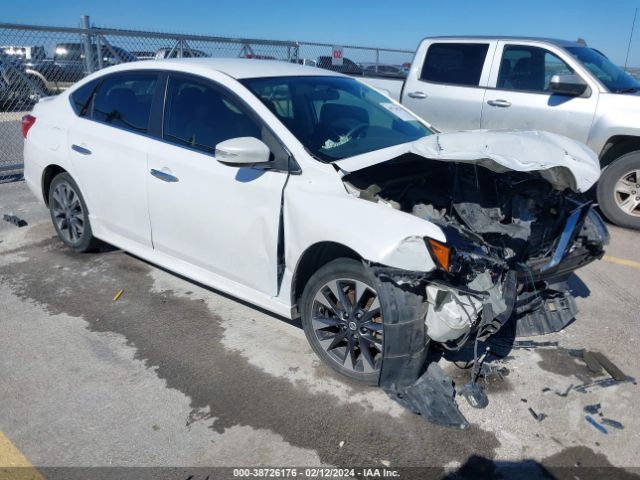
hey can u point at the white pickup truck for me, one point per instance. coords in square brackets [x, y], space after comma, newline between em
[466, 83]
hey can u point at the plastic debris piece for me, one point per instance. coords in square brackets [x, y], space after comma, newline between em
[386, 463]
[612, 423]
[11, 218]
[341, 444]
[593, 422]
[523, 400]
[532, 344]
[546, 389]
[475, 395]
[432, 396]
[592, 409]
[538, 416]
[576, 352]
[118, 295]
[607, 382]
[565, 393]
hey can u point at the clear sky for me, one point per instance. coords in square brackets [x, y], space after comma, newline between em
[397, 24]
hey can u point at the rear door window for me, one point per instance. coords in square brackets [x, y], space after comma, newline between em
[455, 63]
[124, 100]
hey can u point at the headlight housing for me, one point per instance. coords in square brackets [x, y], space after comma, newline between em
[462, 256]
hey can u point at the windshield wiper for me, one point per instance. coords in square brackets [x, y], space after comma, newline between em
[628, 90]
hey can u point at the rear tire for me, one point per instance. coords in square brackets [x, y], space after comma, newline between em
[341, 318]
[619, 191]
[70, 215]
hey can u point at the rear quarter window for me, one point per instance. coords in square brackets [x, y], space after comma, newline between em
[81, 98]
[454, 63]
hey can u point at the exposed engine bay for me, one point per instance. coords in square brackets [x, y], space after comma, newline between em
[495, 222]
[513, 239]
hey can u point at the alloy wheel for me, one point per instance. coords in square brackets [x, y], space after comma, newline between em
[627, 193]
[347, 322]
[67, 212]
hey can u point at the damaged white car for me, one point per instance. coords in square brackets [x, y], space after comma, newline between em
[310, 194]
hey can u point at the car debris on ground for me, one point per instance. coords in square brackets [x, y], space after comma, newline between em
[15, 220]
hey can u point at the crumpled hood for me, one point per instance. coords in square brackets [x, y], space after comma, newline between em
[563, 162]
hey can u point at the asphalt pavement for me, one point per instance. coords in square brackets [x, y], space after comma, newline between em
[173, 374]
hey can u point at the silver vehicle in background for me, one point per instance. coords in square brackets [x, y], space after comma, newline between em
[465, 83]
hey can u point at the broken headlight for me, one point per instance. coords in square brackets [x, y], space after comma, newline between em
[462, 256]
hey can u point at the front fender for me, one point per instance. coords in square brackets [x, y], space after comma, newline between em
[616, 115]
[378, 233]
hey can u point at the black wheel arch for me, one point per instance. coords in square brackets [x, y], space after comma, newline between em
[616, 146]
[48, 174]
[312, 259]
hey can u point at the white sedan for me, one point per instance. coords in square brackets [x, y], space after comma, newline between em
[310, 194]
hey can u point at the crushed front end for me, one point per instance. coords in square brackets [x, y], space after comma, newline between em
[512, 241]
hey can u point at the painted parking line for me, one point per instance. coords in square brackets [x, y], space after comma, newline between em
[621, 261]
[13, 464]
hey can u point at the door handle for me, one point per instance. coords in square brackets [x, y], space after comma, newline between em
[417, 94]
[165, 177]
[499, 103]
[80, 150]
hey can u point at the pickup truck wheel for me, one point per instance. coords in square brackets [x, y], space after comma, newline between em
[341, 318]
[619, 191]
[70, 215]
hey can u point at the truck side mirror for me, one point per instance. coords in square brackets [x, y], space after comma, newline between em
[571, 85]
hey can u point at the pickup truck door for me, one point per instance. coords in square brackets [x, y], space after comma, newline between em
[221, 219]
[519, 96]
[446, 84]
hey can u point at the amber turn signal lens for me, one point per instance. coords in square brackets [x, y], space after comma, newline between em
[440, 253]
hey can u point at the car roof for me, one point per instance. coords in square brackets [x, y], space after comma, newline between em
[237, 68]
[555, 41]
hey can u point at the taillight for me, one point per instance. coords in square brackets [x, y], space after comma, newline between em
[27, 123]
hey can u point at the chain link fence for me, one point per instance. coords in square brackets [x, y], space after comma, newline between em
[38, 61]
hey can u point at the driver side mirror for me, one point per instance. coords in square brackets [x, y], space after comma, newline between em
[242, 152]
[568, 85]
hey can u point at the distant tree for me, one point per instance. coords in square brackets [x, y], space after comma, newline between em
[581, 41]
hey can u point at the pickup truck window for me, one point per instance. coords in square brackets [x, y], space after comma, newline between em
[336, 117]
[454, 63]
[611, 75]
[529, 68]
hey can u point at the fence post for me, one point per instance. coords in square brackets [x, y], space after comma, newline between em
[99, 52]
[86, 39]
[377, 59]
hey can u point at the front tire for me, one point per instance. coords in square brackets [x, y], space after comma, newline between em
[342, 320]
[70, 215]
[619, 191]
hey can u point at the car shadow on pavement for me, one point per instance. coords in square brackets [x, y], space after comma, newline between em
[480, 467]
[577, 287]
[295, 322]
[571, 463]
